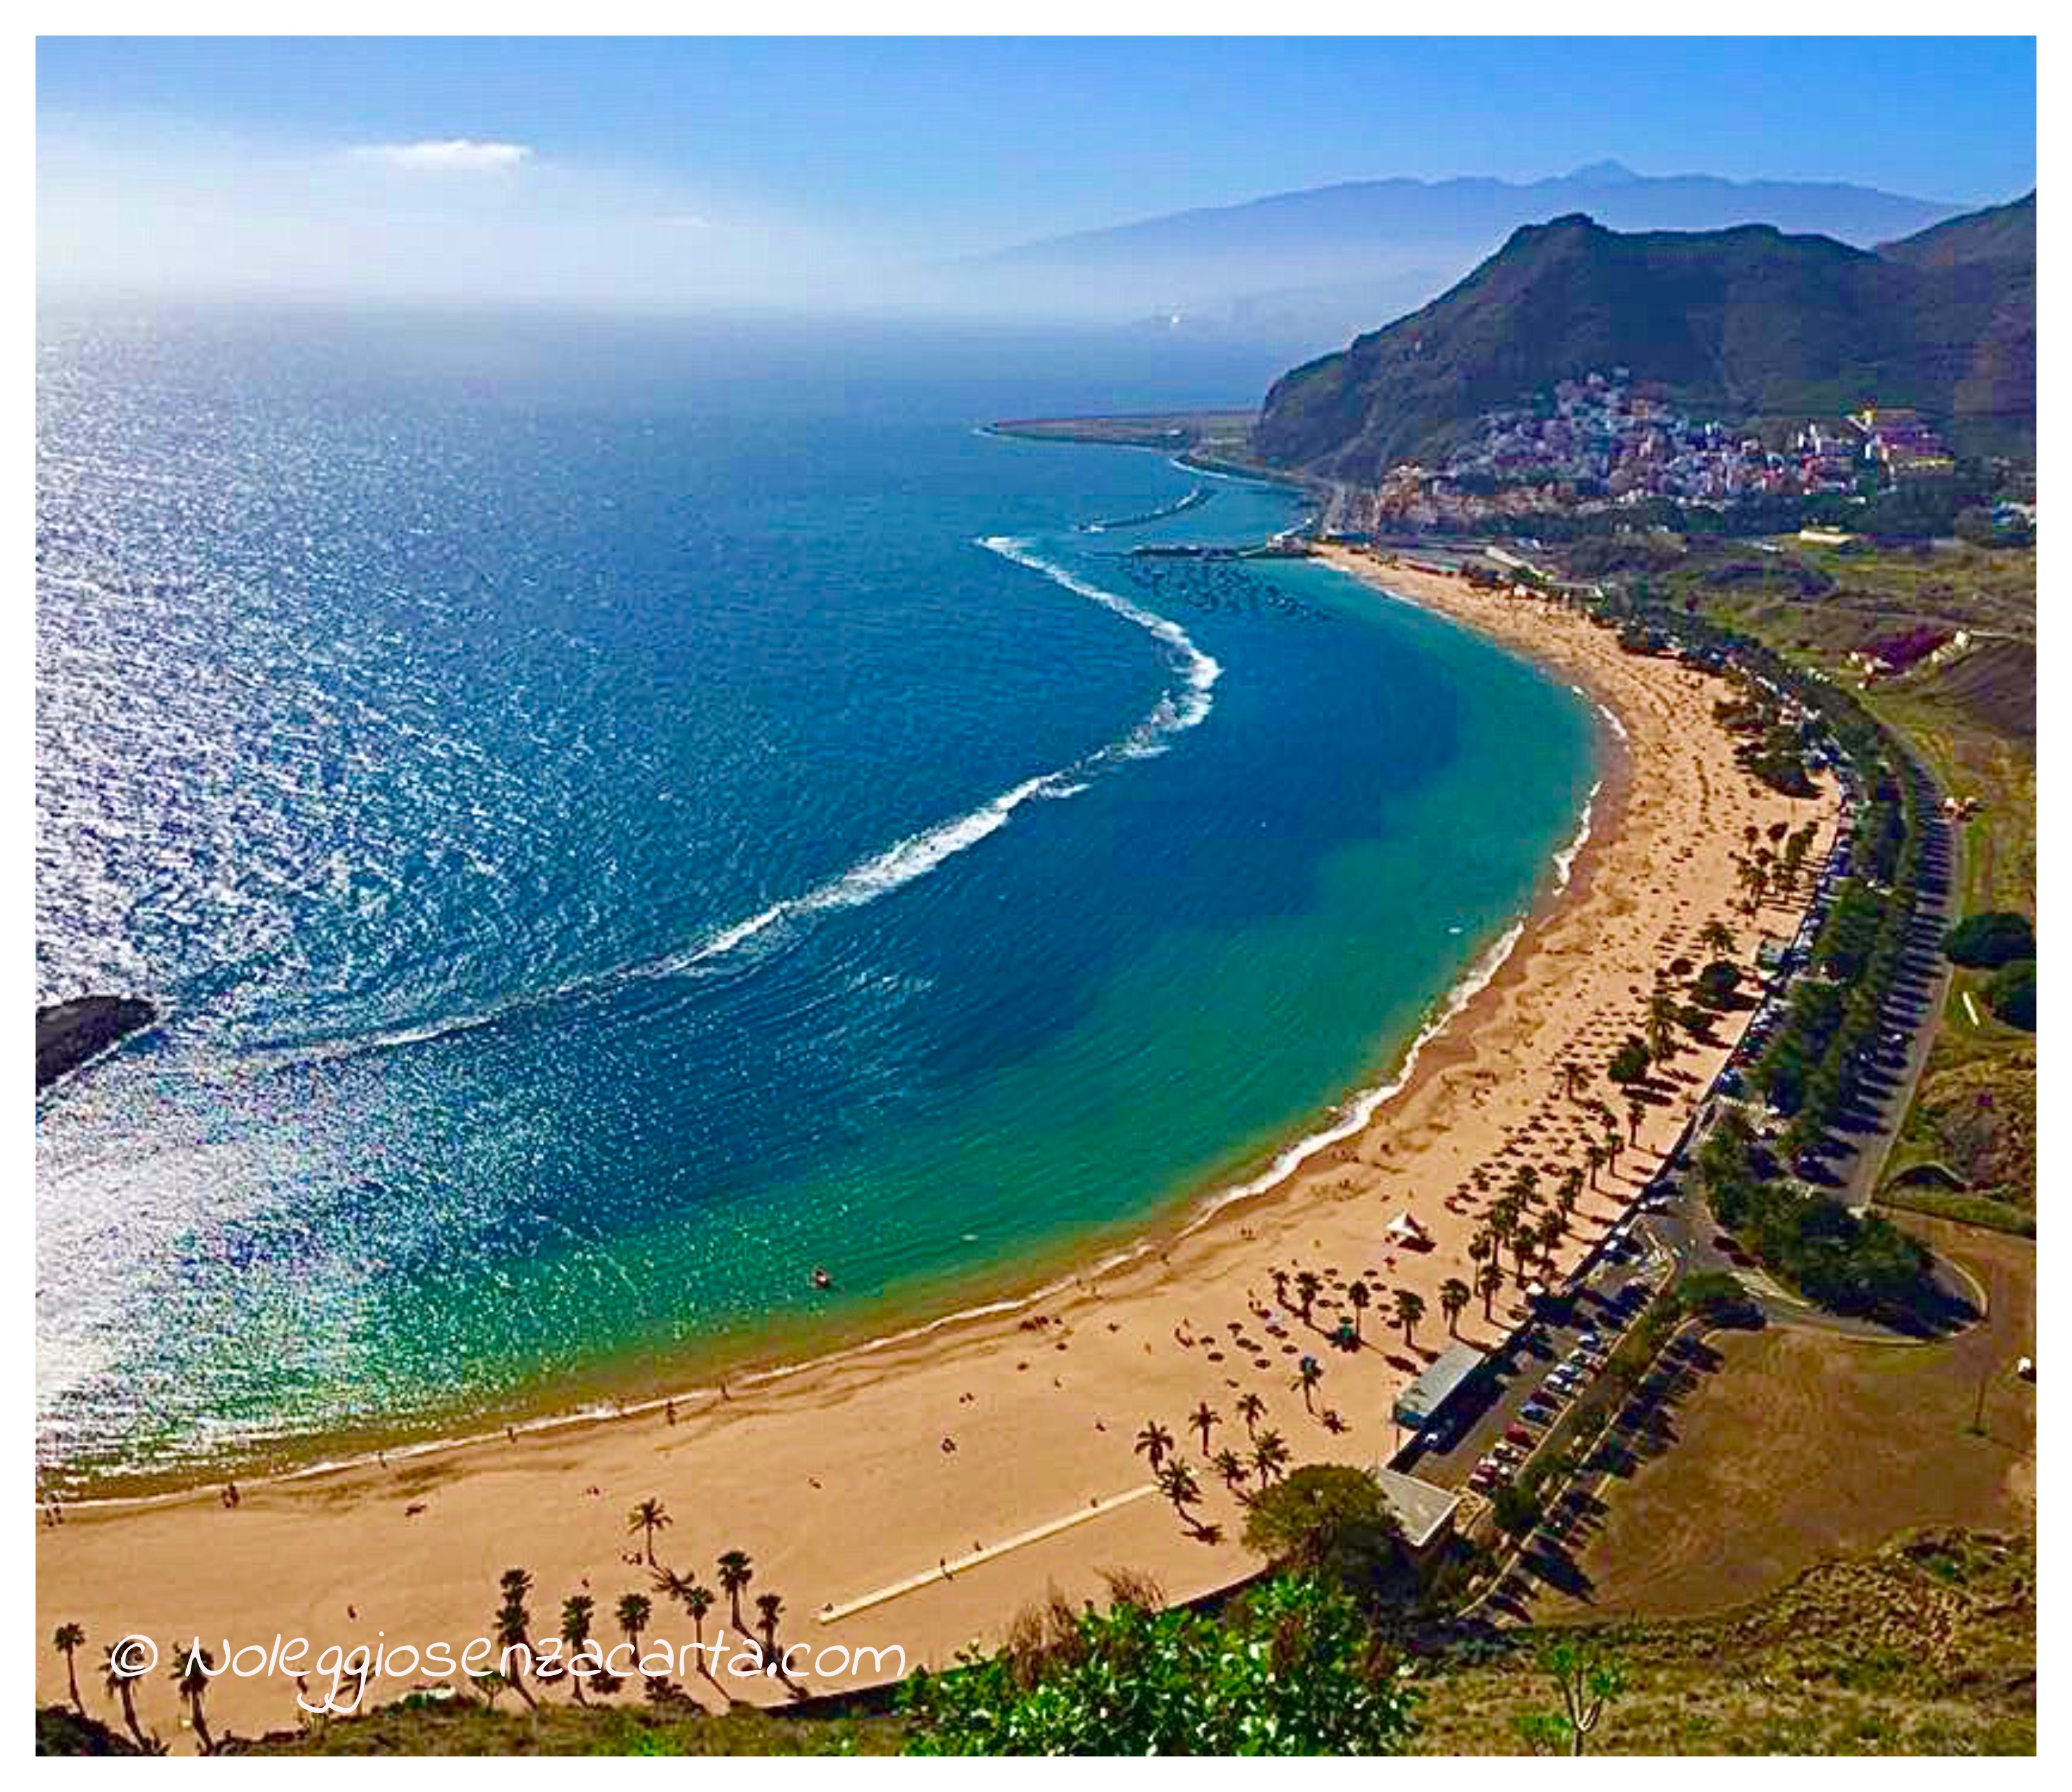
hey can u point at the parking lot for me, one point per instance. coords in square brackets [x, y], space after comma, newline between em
[1496, 1420]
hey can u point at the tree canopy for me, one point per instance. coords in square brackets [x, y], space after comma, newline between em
[1986, 942]
[1336, 1523]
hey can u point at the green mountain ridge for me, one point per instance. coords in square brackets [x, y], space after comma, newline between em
[1732, 323]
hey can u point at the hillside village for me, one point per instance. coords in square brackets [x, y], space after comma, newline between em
[1604, 442]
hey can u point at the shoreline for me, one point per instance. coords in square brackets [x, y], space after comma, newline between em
[927, 1445]
[1014, 1284]
[996, 1290]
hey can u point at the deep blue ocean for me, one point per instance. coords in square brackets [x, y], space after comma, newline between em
[619, 815]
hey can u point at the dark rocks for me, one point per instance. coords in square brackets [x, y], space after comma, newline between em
[68, 1033]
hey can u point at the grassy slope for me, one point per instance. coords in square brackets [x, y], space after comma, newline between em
[1974, 724]
[1927, 1646]
[1778, 1448]
[467, 1728]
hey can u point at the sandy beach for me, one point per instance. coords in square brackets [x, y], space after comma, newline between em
[916, 1495]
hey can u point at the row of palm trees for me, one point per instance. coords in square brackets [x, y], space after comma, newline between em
[1528, 1221]
[192, 1667]
[1264, 1459]
[1407, 1306]
[1775, 868]
[734, 1569]
[121, 1671]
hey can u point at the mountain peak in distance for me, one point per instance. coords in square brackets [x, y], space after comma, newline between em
[1605, 174]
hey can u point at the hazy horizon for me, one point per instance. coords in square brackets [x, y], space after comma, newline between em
[811, 176]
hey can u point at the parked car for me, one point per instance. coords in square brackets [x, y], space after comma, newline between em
[1519, 1436]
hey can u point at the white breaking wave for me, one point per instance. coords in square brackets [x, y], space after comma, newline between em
[1200, 671]
[1617, 726]
[897, 864]
[900, 863]
[1564, 860]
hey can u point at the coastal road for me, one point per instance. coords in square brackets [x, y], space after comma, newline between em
[1916, 1008]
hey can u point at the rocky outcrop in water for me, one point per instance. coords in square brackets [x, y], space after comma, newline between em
[68, 1033]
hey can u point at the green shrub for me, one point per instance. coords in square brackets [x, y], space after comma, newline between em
[1287, 1669]
[2010, 995]
[1986, 942]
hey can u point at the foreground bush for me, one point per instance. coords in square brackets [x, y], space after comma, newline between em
[1287, 1669]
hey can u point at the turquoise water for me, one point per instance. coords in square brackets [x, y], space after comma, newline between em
[618, 818]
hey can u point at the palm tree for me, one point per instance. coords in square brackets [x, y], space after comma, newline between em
[1205, 1418]
[1252, 1409]
[1502, 1226]
[1568, 1192]
[1523, 1185]
[122, 1683]
[1409, 1310]
[648, 1517]
[1230, 1468]
[1269, 1456]
[634, 1614]
[735, 1572]
[1489, 1283]
[1307, 1378]
[698, 1601]
[1636, 1111]
[1309, 1285]
[1597, 1157]
[1154, 1442]
[67, 1640]
[1177, 1482]
[192, 1666]
[1454, 1294]
[1573, 1077]
[1614, 1141]
[769, 1608]
[1361, 1297]
[1524, 1248]
[1551, 1229]
[577, 1612]
[514, 1625]
[1717, 938]
[1662, 1017]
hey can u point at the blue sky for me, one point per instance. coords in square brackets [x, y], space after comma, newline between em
[900, 146]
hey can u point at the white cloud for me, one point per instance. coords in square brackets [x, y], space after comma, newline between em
[456, 153]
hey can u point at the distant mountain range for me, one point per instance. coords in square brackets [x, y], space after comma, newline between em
[1732, 323]
[1312, 266]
